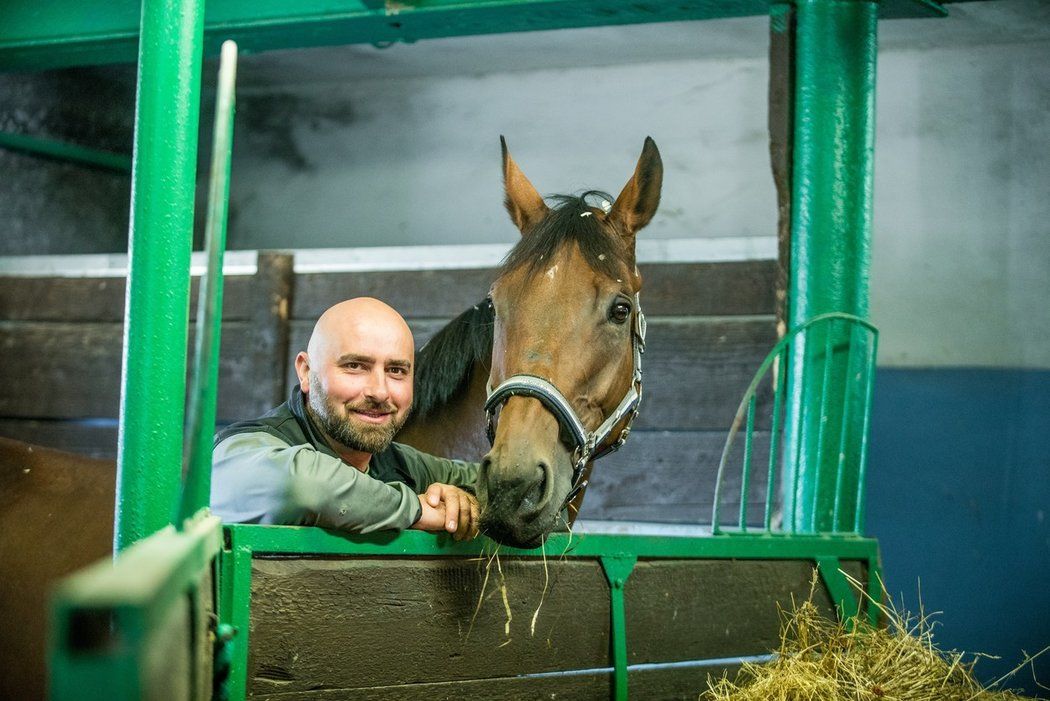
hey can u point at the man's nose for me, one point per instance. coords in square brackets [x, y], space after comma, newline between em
[376, 389]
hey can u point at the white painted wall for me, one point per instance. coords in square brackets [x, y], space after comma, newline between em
[381, 152]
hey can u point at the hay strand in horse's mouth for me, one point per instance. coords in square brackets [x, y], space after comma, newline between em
[543, 595]
[484, 586]
[506, 600]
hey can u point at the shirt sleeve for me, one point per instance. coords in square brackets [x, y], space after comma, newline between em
[258, 478]
[429, 469]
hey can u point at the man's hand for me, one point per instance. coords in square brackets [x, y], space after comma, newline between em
[449, 508]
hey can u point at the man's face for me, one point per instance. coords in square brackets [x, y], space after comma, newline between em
[360, 390]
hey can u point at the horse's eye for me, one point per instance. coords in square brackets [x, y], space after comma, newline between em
[620, 312]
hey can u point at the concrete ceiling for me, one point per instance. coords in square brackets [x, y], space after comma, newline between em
[970, 23]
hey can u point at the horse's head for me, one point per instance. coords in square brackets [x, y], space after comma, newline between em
[567, 329]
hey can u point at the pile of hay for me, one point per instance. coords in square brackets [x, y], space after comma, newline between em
[823, 660]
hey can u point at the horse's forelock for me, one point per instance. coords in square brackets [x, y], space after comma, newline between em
[570, 221]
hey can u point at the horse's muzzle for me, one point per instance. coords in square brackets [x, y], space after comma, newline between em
[520, 493]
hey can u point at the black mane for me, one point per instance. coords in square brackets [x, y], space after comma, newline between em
[444, 363]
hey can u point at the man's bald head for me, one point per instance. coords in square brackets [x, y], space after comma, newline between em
[357, 375]
[354, 316]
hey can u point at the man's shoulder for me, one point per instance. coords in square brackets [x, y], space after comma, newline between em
[279, 422]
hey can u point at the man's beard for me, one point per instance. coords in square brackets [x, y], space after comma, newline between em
[364, 437]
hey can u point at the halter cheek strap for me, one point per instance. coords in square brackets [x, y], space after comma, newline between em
[585, 443]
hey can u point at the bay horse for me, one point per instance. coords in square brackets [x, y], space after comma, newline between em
[553, 352]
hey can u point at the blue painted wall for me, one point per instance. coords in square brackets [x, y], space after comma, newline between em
[959, 497]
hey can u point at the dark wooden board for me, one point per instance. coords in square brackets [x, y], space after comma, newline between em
[93, 439]
[701, 609]
[669, 476]
[370, 626]
[667, 684]
[681, 289]
[370, 622]
[100, 299]
[64, 370]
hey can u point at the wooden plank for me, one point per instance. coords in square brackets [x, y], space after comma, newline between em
[732, 288]
[701, 609]
[669, 477]
[689, 289]
[73, 371]
[96, 439]
[351, 623]
[583, 686]
[274, 284]
[100, 299]
[673, 684]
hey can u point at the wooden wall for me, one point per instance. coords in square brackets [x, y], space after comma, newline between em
[369, 628]
[710, 325]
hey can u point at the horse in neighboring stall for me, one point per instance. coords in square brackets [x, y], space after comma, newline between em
[550, 363]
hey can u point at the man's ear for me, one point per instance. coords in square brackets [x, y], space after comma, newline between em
[302, 369]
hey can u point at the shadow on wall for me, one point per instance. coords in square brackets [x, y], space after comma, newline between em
[959, 497]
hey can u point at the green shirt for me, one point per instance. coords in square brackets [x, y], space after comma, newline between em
[277, 469]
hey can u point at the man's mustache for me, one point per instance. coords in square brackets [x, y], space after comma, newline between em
[385, 407]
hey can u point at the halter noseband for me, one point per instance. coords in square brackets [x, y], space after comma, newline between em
[587, 445]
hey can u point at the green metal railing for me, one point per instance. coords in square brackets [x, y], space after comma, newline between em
[618, 556]
[853, 343]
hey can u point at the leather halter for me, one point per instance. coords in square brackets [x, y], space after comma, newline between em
[587, 445]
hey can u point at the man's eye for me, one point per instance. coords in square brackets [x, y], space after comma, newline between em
[353, 366]
[398, 371]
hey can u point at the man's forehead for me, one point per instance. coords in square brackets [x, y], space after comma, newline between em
[373, 341]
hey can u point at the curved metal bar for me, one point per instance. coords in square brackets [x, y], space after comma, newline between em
[742, 411]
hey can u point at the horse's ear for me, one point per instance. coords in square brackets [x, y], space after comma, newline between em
[637, 202]
[524, 204]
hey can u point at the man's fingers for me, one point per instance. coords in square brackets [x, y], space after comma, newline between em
[451, 510]
[434, 495]
[466, 519]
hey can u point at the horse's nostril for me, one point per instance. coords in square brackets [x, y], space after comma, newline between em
[536, 495]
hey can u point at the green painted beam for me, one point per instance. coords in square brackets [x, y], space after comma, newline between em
[830, 255]
[63, 151]
[761, 546]
[103, 617]
[35, 35]
[156, 315]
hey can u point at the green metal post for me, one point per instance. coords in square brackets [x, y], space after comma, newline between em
[156, 312]
[204, 390]
[830, 247]
[617, 569]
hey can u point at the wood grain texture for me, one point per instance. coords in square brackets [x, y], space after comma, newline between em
[681, 289]
[100, 299]
[669, 477]
[674, 684]
[370, 622]
[94, 440]
[72, 371]
[394, 628]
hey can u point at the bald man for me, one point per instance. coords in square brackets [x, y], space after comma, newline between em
[326, 457]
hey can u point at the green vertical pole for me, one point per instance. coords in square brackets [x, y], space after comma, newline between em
[617, 569]
[204, 387]
[830, 245]
[156, 313]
